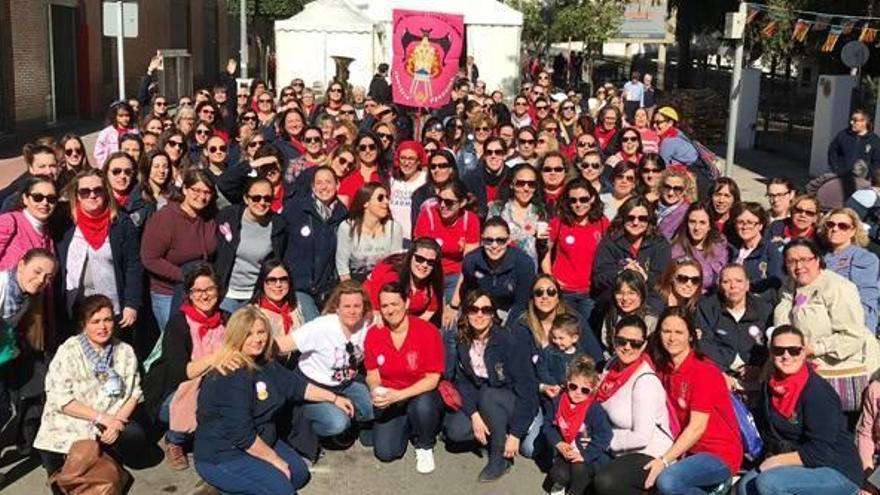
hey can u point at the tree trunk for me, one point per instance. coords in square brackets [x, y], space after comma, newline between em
[683, 35]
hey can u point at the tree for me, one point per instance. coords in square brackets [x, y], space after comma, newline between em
[534, 31]
[591, 21]
[696, 17]
[275, 9]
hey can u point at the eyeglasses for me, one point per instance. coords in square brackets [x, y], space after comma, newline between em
[264, 100]
[343, 161]
[623, 342]
[185, 103]
[522, 184]
[312, 140]
[207, 291]
[520, 104]
[435, 166]
[540, 107]
[347, 112]
[128, 172]
[73, 151]
[746, 223]
[592, 165]
[568, 107]
[87, 192]
[258, 198]
[799, 261]
[380, 198]
[449, 204]
[553, 170]
[207, 111]
[793, 350]
[838, 225]
[675, 189]
[175, 144]
[483, 129]
[637, 218]
[160, 104]
[214, 149]
[421, 260]
[550, 292]
[335, 90]
[241, 96]
[660, 121]
[366, 147]
[573, 387]
[254, 144]
[579, 200]
[287, 94]
[282, 280]
[297, 84]
[39, 198]
[778, 195]
[386, 136]
[684, 279]
[798, 210]
[494, 152]
[493, 241]
[483, 310]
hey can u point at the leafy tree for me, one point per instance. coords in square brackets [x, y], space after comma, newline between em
[591, 21]
[696, 17]
[276, 9]
[534, 30]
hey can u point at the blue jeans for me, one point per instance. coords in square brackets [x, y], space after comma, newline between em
[796, 480]
[698, 474]
[232, 305]
[495, 406]
[328, 420]
[251, 476]
[161, 304]
[449, 283]
[173, 437]
[308, 306]
[417, 418]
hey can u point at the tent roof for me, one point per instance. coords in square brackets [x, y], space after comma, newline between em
[486, 12]
[327, 15]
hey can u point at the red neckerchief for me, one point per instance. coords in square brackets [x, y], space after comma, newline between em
[121, 199]
[283, 310]
[121, 131]
[788, 234]
[94, 228]
[634, 249]
[278, 198]
[671, 132]
[604, 136]
[570, 417]
[616, 376]
[785, 391]
[635, 158]
[298, 145]
[206, 323]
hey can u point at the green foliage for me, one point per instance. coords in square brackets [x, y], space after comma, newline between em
[267, 8]
[534, 30]
[590, 21]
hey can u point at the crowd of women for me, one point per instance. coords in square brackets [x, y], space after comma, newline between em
[255, 277]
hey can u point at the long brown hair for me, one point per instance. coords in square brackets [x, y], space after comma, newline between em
[359, 208]
[465, 334]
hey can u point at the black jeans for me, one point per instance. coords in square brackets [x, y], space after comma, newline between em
[495, 406]
[625, 475]
[574, 476]
[419, 417]
[129, 449]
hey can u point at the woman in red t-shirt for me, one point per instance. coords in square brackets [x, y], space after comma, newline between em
[708, 450]
[419, 272]
[574, 238]
[404, 360]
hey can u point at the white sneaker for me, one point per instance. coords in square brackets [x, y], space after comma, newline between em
[557, 491]
[424, 461]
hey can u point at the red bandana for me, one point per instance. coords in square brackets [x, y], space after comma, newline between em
[283, 310]
[278, 198]
[121, 199]
[570, 417]
[617, 375]
[785, 391]
[206, 323]
[94, 228]
[788, 233]
[671, 132]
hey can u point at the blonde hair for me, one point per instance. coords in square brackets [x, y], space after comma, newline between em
[349, 286]
[690, 189]
[860, 238]
[552, 142]
[234, 336]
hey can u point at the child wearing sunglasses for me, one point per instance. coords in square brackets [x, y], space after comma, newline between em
[579, 429]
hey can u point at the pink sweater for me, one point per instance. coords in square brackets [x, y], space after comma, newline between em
[17, 237]
[868, 430]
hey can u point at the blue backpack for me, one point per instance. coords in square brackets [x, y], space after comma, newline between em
[748, 431]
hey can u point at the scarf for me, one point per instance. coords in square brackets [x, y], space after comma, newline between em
[102, 366]
[617, 374]
[493, 179]
[670, 133]
[604, 136]
[785, 391]
[283, 310]
[121, 199]
[298, 145]
[95, 229]
[324, 211]
[788, 233]
[15, 301]
[570, 417]
[206, 323]
[664, 211]
[278, 198]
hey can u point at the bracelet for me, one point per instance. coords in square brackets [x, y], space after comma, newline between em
[95, 422]
[663, 460]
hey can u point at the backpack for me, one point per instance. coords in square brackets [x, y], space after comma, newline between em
[753, 445]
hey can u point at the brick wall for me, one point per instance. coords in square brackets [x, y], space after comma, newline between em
[30, 55]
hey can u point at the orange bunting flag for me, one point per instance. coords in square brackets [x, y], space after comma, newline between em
[847, 27]
[821, 23]
[831, 40]
[869, 35]
[770, 29]
[801, 28]
[753, 13]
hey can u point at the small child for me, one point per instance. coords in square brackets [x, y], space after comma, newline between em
[554, 359]
[578, 429]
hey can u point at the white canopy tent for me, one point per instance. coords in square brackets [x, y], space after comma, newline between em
[492, 29]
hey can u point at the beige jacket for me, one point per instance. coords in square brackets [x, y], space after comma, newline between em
[830, 314]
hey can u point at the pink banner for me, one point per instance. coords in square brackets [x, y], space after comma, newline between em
[426, 52]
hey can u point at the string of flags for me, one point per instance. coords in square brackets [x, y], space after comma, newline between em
[834, 26]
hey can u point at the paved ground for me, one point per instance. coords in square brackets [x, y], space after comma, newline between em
[356, 471]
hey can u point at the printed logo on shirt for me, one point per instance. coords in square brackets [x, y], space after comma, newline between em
[305, 231]
[412, 360]
[262, 391]
[380, 359]
[569, 239]
[499, 371]
[345, 365]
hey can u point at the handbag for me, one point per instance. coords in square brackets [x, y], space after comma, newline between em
[748, 430]
[88, 470]
[183, 406]
[449, 395]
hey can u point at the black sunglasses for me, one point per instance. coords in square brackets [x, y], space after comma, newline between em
[683, 279]
[259, 198]
[550, 292]
[86, 192]
[40, 197]
[584, 390]
[793, 351]
[277, 280]
[418, 258]
[484, 310]
[623, 342]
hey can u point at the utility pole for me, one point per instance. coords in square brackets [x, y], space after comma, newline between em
[734, 29]
[120, 52]
[243, 46]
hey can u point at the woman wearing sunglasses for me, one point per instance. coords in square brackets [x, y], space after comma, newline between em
[826, 308]
[247, 234]
[681, 285]
[708, 450]
[420, 273]
[315, 155]
[75, 159]
[368, 146]
[629, 297]
[488, 180]
[623, 187]
[629, 145]
[521, 205]
[591, 169]
[121, 170]
[199, 141]
[100, 254]
[368, 235]
[526, 139]
[845, 237]
[697, 238]
[173, 142]
[635, 401]
[807, 447]
[274, 294]
[287, 132]
[26, 226]
[441, 170]
[677, 192]
[497, 383]
[802, 223]
[733, 324]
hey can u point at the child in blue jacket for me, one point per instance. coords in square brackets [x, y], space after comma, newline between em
[553, 360]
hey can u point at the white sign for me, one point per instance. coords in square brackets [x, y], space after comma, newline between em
[129, 19]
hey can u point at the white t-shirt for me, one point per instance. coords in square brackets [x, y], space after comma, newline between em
[400, 201]
[325, 359]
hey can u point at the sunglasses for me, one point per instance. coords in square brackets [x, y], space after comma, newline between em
[259, 198]
[574, 388]
[347, 112]
[494, 152]
[592, 165]
[312, 140]
[493, 241]
[435, 166]
[483, 129]
[175, 144]
[385, 135]
[809, 213]
[73, 151]
[520, 183]
[87, 192]
[284, 279]
[629, 140]
[336, 90]
[652, 170]
[185, 103]
[248, 118]
[484, 310]
[39, 198]
[202, 132]
[381, 198]
[421, 260]
[838, 225]
[550, 292]
[586, 144]
[677, 189]
[160, 104]
[128, 172]
[540, 107]
[553, 170]
[684, 279]
[366, 147]
[637, 218]
[264, 100]
[579, 200]
[633, 343]
[207, 111]
[254, 144]
[567, 107]
[288, 93]
[626, 178]
[297, 84]
[793, 351]
[449, 204]
[214, 149]
[343, 161]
